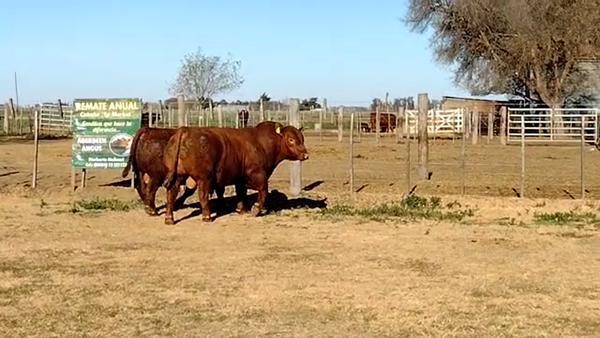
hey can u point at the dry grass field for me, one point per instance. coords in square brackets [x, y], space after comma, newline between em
[93, 264]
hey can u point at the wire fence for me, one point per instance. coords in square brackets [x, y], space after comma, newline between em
[351, 158]
[463, 166]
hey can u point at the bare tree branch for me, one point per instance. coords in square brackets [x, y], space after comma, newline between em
[202, 77]
[527, 48]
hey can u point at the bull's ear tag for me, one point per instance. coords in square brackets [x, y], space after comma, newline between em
[278, 129]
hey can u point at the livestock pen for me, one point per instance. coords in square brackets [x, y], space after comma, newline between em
[435, 263]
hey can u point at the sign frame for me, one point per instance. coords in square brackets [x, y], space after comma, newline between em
[103, 131]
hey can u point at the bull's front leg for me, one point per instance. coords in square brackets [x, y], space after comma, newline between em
[240, 191]
[259, 181]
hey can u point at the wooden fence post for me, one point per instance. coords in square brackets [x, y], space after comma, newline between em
[463, 141]
[377, 123]
[522, 156]
[325, 108]
[475, 126]
[490, 126]
[150, 113]
[62, 114]
[6, 117]
[262, 111]
[503, 120]
[180, 111]
[160, 113]
[36, 129]
[434, 124]
[15, 123]
[359, 126]
[582, 158]
[295, 166]
[399, 117]
[422, 169]
[352, 156]
[340, 123]
[408, 164]
[211, 112]
[220, 115]
[321, 112]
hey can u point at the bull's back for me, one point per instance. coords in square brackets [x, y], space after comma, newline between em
[150, 149]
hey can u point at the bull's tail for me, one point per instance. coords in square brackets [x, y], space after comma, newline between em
[131, 160]
[172, 173]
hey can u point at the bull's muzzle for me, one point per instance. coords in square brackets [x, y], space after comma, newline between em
[304, 157]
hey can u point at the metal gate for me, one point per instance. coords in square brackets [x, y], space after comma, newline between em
[552, 125]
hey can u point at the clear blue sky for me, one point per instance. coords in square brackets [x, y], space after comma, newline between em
[348, 52]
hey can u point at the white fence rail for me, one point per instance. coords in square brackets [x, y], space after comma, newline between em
[438, 121]
[552, 125]
[52, 122]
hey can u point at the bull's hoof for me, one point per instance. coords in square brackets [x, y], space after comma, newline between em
[169, 221]
[207, 219]
[255, 211]
[151, 212]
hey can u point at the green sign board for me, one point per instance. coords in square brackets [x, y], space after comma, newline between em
[102, 132]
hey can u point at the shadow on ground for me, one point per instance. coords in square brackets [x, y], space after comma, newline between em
[275, 201]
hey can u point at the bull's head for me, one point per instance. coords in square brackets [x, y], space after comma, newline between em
[292, 142]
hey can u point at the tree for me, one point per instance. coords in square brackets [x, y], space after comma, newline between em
[376, 103]
[202, 77]
[264, 97]
[308, 104]
[526, 48]
[435, 104]
[406, 102]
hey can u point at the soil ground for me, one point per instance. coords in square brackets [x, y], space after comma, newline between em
[302, 273]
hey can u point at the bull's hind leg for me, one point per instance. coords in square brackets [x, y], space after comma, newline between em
[204, 190]
[150, 196]
[171, 197]
[140, 186]
[241, 192]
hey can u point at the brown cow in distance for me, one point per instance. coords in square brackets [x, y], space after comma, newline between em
[218, 157]
[145, 160]
[243, 118]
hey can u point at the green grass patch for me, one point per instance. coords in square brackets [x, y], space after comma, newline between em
[411, 207]
[103, 204]
[565, 218]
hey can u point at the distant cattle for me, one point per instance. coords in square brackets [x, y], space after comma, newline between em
[243, 118]
[387, 122]
[145, 160]
[218, 157]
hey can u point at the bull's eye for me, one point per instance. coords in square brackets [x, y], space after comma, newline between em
[291, 140]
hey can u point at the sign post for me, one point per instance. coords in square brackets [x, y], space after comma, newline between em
[103, 130]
